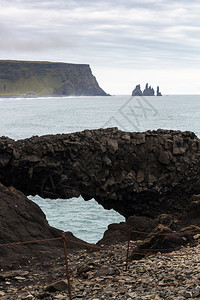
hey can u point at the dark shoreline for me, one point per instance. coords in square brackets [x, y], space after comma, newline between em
[47, 96]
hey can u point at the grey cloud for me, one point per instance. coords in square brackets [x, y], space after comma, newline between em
[11, 42]
[35, 45]
[4, 31]
[142, 32]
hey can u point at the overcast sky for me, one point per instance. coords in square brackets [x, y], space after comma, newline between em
[126, 42]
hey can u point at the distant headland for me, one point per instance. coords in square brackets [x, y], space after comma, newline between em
[148, 91]
[36, 78]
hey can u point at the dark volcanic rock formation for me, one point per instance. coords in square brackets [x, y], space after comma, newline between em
[22, 220]
[158, 93]
[47, 78]
[134, 173]
[148, 91]
[165, 232]
[137, 91]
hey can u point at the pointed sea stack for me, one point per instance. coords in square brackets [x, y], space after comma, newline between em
[148, 91]
[137, 91]
[158, 93]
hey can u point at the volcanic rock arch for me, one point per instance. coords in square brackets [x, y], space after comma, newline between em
[134, 173]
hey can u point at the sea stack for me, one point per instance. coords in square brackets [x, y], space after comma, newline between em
[158, 93]
[148, 91]
[137, 91]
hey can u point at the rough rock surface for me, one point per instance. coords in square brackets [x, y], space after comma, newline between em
[148, 91]
[27, 78]
[137, 91]
[22, 220]
[158, 93]
[135, 173]
[166, 232]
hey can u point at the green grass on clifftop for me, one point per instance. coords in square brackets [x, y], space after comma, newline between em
[47, 78]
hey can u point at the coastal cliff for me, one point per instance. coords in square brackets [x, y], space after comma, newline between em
[28, 78]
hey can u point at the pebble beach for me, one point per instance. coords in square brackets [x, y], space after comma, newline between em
[102, 274]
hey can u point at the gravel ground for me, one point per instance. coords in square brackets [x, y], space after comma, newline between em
[102, 274]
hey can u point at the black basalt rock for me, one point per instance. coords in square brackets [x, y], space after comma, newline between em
[137, 91]
[158, 93]
[148, 91]
[135, 173]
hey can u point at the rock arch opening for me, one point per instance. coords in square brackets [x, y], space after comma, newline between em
[87, 220]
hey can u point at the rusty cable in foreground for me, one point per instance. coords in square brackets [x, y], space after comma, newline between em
[67, 265]
[128, 247]
[30, 242]
[168, 233]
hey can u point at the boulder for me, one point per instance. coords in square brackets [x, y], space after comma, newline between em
[164, 240]
[60, 286]
[22, 220]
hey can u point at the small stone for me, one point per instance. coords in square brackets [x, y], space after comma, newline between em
[196, 292]
[140, 139]
[197, 236]
[60, 296]
[113, 146]
[109, 289]
[140, 176]
[121, 281]
[187, 295]
[132, 295]
[13, 273]
[164, 157]
[157, 298]
[20, 278]
[58, 286]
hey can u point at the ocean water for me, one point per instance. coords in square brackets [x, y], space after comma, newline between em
[22, 118]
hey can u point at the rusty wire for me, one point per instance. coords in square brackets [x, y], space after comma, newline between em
[166, 254]
[167, 249]
[88, 245]
[169, 233]
[30, 242]
[140, 252]
[67, 265]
